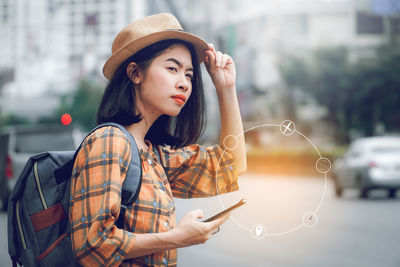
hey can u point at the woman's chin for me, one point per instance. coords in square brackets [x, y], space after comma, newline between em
[173, 113]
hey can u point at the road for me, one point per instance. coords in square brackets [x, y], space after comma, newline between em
[348, 231]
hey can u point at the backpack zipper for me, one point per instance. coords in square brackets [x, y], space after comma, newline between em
[20, 226]
[35, 172]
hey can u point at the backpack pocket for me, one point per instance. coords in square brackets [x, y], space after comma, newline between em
[59, 253]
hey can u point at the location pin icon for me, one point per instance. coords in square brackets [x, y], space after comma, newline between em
[259, 230]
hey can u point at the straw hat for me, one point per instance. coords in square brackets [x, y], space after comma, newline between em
[144, 32]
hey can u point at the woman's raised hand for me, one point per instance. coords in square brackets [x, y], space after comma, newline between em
[189, 231]
[221, 69]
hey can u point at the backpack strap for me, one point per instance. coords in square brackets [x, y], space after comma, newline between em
[133, 180]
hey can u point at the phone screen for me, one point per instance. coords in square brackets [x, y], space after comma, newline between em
[225, 211]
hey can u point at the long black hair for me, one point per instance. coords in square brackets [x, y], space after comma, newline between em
[118, 101]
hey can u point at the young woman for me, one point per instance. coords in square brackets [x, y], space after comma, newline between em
[155, 91]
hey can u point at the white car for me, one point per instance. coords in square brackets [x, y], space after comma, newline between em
[372, 162]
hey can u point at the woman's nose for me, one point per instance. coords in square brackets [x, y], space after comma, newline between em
[182, 84]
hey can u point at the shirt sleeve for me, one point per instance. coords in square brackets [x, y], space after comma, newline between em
[199, 171]
[99, 171]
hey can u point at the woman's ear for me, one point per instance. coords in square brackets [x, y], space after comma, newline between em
[134, 73]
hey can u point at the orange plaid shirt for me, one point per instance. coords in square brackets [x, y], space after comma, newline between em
[99, 171]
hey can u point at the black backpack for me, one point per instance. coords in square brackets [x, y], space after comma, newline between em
[38, 226]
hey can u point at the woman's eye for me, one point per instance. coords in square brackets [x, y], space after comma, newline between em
[173, 69]
[190, 76]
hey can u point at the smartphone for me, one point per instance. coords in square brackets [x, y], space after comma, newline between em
[225, 211]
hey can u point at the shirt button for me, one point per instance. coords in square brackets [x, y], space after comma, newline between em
[149, 161]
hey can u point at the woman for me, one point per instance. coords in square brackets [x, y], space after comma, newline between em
[154, 77]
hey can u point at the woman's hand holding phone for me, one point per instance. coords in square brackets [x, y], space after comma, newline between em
[189, 231]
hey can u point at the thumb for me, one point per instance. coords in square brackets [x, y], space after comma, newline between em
[210, 60]
[217, 222]
[198, 213]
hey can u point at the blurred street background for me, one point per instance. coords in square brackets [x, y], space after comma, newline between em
[332, 67]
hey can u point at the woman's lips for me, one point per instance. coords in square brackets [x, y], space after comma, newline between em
[180, 99]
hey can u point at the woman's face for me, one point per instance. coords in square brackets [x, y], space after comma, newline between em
[166, 85]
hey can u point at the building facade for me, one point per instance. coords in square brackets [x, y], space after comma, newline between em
[50, 44]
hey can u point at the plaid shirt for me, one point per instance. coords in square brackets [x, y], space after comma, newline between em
[99, 171]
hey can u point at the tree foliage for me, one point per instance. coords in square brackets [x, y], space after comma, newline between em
[82, 104]
[12, 119]
[358, 95]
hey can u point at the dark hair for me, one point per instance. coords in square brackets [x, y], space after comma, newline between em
[118, 101]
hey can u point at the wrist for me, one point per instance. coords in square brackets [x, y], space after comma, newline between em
[172, 239]
[226, 91]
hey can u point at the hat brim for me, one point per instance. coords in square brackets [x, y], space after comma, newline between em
[131, 48]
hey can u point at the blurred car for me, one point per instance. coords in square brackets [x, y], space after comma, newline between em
[18, 143]
[372, 162]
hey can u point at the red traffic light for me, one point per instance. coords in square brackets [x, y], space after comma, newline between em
[66, 119]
